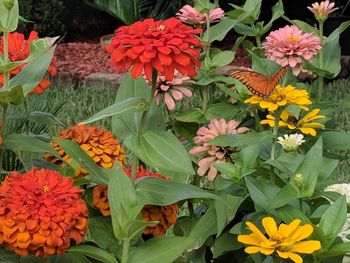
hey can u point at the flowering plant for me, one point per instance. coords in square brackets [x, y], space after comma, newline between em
[195, 168]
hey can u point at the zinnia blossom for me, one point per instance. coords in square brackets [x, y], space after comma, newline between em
[282, 97]
[214, 154]
[291, 142]
[284, 241]
[322, 10]
[41, 213]
[343, 189]
[100, 145]
[163, 45]
[191, 15]
[166, 215]
[174, 90]
[289, 46]
[306, 124]
[18, 48]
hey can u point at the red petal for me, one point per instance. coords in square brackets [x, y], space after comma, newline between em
[150, 54]
[164, 59]
[148, 71]
[175, 41]
[182, 59]
[137, 70]
[164, 50]
[157, 65]
[169, 72]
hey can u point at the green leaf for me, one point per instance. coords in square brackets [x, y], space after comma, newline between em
[284, 196]
[192, 115]
[9, 18]
[160, 249]
[129, 122]
[219, 31]
[12, 96]
[277, 12]
[338, 249]
[45, 118]
[32, 73]
[336, 140]
[288, 213]
[118, 108]
[236, 140]
[160, 150]
[94, 252]
[123, 203]
[310, 168]
[262, 65]
[221, 110]
[333, 220]
[223, 58]
[160, 192]
[287, 162]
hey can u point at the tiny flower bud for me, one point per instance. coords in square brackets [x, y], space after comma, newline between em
[8, 4]
[299, 180]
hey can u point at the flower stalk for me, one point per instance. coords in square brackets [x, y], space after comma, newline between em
[125, 251]
[275, 135]
[320, 78]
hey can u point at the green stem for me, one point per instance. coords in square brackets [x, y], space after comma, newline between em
[208, 34]
[258, 41]
[205, 98]
[257, 120]
[125, 252]
[301, 204]
[27, 113]
[320, 78]
[150, 100]
[47, 259]
[275, 134]
[2, 135]
[135, 168]
[6, 60]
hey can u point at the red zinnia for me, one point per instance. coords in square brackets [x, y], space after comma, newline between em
[18, 48]
[41, 213]
[163, 45]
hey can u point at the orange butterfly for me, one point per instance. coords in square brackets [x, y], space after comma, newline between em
[257, 83]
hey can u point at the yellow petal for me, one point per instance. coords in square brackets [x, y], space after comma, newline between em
[294, 257]
[292, 227]
[256, 231]
[310, 131]
[252, 250]
[269, 122]
[303, 232]
[269, 225]
[251, 239]
[306, 247]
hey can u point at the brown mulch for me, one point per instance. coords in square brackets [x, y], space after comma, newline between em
[80, 59]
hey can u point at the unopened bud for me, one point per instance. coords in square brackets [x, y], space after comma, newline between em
[8, 4]
[299, 180]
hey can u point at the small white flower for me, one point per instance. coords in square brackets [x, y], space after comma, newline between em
[343, 189]
[291, 142]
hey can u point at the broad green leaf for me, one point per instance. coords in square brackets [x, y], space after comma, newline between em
[160, 150]
[338, 249]
[333, 220]
[129, 122]
[9, 18]
[123, 203]
[221, 110]
[336, 140]
[288, 213]
[287, 162]
[192, 115]
[45, 118]
[262, 65]
[131, 104]
[160, 192]
[32, 73]
[97, 174]
[310, 168]
[214, 78]
[160, 249]
[135, 228]
[94, 252]
[236, 140]
[284, 196]
[277, 12]
[226, 242]
[223, 58]
[305, 27]
[219, 31]
[13, 96]
[261, 191]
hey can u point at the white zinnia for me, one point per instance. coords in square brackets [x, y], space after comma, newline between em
[343, 189]
[291, 142]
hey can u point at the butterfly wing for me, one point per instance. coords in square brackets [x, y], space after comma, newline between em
[273, 81]
[257, 83]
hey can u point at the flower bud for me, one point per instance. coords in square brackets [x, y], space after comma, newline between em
[8, 4]
[299, 180]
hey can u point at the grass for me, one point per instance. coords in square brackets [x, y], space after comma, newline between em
[74, 104]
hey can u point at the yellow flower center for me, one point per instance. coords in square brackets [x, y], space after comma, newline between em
[46, 188]
[156, 28]
[293, 39]
[292, 120]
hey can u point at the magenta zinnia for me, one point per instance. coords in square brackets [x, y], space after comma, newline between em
[41, 213]
[163, 45]
[289, 46]
[214, 154]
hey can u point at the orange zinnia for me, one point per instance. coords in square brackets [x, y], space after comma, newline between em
[166, 215]
[41, 213]
[18, 48]
[163, 45]
[100, 145]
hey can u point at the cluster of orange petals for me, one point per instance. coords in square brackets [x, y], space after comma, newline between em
[19, 50]
[163, 45]
[166, 215]
[41, 213]
[100, 145]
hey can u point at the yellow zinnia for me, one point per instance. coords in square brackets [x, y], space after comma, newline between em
[281, 97]
[283, 240]
[305, 124]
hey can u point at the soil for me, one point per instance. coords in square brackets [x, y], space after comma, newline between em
[80, 59]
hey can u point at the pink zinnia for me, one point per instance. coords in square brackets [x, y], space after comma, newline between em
[214, 154]
[288, 46]
[322, 10]
[190, 15]
[173, 90]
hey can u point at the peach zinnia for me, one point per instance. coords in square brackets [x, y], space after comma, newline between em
[100, 145]
[163, 46]
[191, 15]
[18, 48]
[41, 213]
[166, 215]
